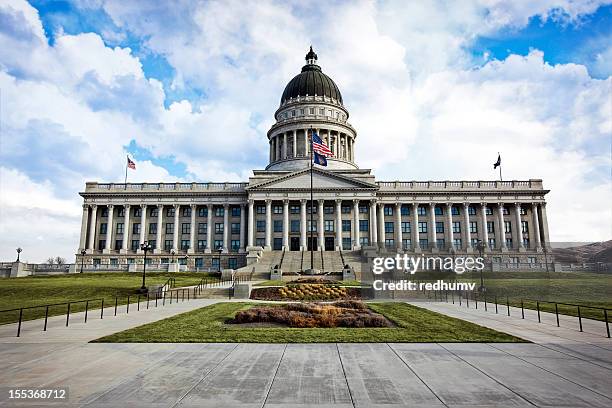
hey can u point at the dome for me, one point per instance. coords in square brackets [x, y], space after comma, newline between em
[311, 81]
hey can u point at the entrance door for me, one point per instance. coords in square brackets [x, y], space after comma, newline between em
[312, 243]
[329, 243]
[294, 244]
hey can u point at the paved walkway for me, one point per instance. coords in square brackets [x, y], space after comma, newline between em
[566, 368]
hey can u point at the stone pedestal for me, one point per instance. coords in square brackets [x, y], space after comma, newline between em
[173, 267]
[242, 291]
[276, 274]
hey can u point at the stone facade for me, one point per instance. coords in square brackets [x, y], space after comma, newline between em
[216, 225]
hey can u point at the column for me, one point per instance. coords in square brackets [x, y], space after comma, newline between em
[466, 227]
[192, 230]
[251, 223]
[160, 224]
[294, 143]
[432, 227]
[321, 227]
[278, 148]
[175, 238]
[209, 228]
[484, 232]
[501, 231]
[519, 227]
[373, 226]
[284, 145]
[226, 228]
[536, 226]
[126, 227]
[268, 225]
[381, 225]
[339, 225]
[271, 149]
[449, 224]
[286, 225]
[415, 228]
[109, 228]
[306, 144]
[356, 244]
[303, 225]
[398, 226]
[337, 143]
[349, 149]
[544, 228]
[143, 223]
[242, 228]
[84, 220]
[92, 227]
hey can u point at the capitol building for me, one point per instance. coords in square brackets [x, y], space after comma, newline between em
[267, 220]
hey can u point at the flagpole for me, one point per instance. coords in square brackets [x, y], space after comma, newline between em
[126, 169]
[311, 205]
[500, 173]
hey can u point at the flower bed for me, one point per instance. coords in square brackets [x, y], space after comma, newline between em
[306, 291]
[309, 315]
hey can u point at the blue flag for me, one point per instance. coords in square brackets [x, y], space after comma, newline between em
[320, 159]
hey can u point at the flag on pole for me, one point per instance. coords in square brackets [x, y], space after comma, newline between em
[320, 150]
[131, 164]
[498, 162]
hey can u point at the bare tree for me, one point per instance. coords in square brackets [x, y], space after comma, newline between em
[59, 260]
[50, 260]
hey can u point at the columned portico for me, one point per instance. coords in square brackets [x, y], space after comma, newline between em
[381, 225]
[175, 236]
[126, 228]
[467, 244]
[519, 228]
[268, 241]
[536, 226]
[242, 228]
[92, 228]
[209, 228]
[398, 226]
[373, 227]
[251, 223]
[356, 244]
[109, 229]
[158, 236]
[192, 229]
[143, 223]
[84, 220]
[226, 228]
[339, 225]
[501, 232]
[484, 231]
[449, 226]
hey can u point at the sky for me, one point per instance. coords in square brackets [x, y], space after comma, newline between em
[188, 89]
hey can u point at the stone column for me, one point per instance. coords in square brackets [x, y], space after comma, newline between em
[294, 143]
[373, 226]
[284, 145]
[303, 245]
[501, 234]
[251, 223]
[449, 226]
[226, 228]
[321, 242]
[381, 225]
[432, 227]
[339, 225]
[356, 244]
[544, 220]
[109, 229]
[278, 148]
[536, 226]
[242, 228]
[519, 227]
[398, 226]
[126, 228]
[415, 228]
[271, 149]
[286, 225]
[466, 227]
[337, 143]
[268, 246]
[92, 227]
[160, 224]
[192, 230]
[84, 220]
[209, 228]
[175, 238]
[306, 144]
[143, 223]
[484, 232]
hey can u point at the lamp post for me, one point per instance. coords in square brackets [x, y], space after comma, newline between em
[18, 252]
[146, 247]
[481, 246]
[172, 253]
[83, 252]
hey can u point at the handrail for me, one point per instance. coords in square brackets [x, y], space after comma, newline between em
[280, 265]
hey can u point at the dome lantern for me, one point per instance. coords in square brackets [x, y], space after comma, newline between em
[311, 57]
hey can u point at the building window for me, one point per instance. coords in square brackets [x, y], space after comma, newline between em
[388, 210]
[346, 225]
[118, 244]
[532, 259]
[203, 212]
[424, 243]
[440, 243]
[422, 227]
[474, 242]
[119, 228]
[103, 228]
[388, 228]
[294, 209]
[311, 226]
[170, 212]
[260, 209]
[201, 244]
[293, 113]
[507, 227]
[405, 210]
[328, 210]
[235, 228]
[407, 243]
[232, 263]
[491, 242]
[328, 225]
[168, 244]
[439, 227]
[509, 243]
[311, 111]
[364, 241]
[457, 243]
[154, 212]
[199, 262]
[235, 245]
[278, 226]
[114, 261]
[185, 228]
[363, 209]
[455, 210]
[218, 244]
[421, 210]
[101, 244]
[523, 211]
[489, 211]
[235, 211]
[524, 227]
[389, 242]
[526, 242]
[169, 228]
[104, 212]
[295, 225]
[471, 210]
[439, 210]
[260, 242]
[219, 212]
[153, 228]
[473, 227]
[490, 227]
[135, 244]
[308, 209]
[184, 244]
[137, 212]
[277, 209]
[505, 211]
[121, 212]
[261, 226]
[456, 226]
[346, 210]
[202, 227]
[405, 227]
[321, 111]
[218, 228]
[277, 244]
[186, 211]
[346, 244]
[364, 225]
[136, 228]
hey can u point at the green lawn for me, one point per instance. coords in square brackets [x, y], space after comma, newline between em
[207, 325]
[40, 290]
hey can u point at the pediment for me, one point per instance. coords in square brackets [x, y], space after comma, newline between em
[321, 180]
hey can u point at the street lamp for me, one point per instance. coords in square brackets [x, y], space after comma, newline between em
[172, 253]
[18, 252]
[83, 252]
[480, 246]
[146, 247]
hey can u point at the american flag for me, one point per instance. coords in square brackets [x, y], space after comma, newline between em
[319, 147]
[131, 164]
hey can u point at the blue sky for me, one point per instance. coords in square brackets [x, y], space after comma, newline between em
[434, 88]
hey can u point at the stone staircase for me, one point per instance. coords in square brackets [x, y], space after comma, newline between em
[353, 258]
[261, 269]
[292, 262]
[332, 261]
